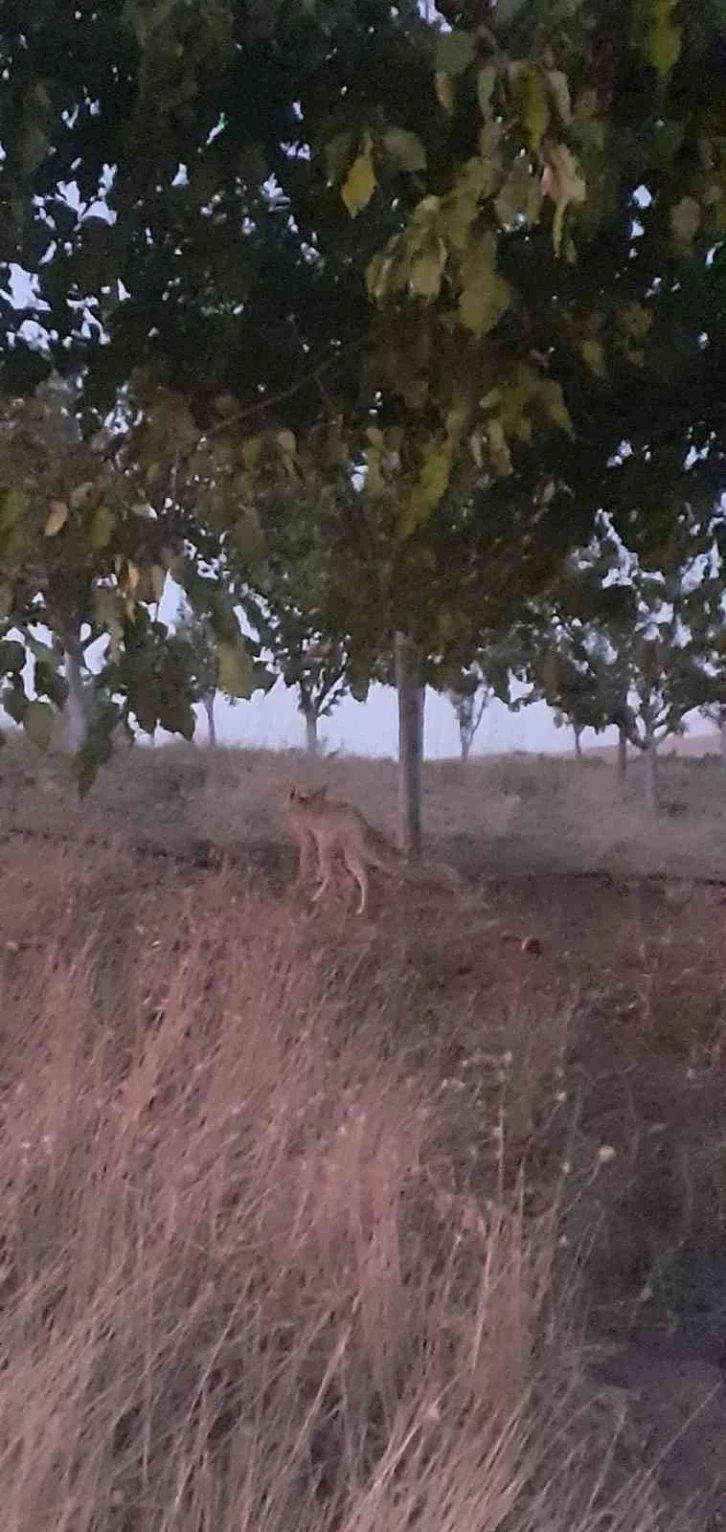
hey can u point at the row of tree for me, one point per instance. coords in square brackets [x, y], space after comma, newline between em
[330, 307]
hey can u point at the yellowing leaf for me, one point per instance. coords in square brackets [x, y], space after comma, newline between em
[359, 184]
[375, 482]
[104, 520]
[432, 484]
[252, 451]
[593, 355]
[81, 494]
[235, 668]
[501, 457]
[455, 52]
[635, 320]
[530, 95]
[520, 196]
[444, 91]
[57, 518]
[287, 443]
[226, 405]
[554, 403]
[406, 148]
[564, 182]
[427, 271]
[657, 33]
[586, 106]
[560, 93]
[38, 720]
[686, 220]
[485, 295]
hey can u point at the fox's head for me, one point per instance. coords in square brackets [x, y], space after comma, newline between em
[305, 799]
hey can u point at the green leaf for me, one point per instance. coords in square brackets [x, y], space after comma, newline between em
[102, 525]
[359, 184]
[235, 668]
[427, 271]
[337, 154]
[686, 220]
[57, 518]
[34, 146]
[12, 657]
[14, 701]
[406, 148]
[38, 721]
[485, 83]
[657, 34]
[505, 12]
[593, 355]
[455, 52]
[12, 505]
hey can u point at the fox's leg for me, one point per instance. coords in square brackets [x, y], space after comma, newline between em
[356, 867]
[306, 849]
[325, 860]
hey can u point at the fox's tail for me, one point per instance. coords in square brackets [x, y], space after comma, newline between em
[415, 870]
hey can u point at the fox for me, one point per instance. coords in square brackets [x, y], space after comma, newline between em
[327, 826]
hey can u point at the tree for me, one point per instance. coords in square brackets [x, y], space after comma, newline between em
[469, 695]
[202, 664]
[457, 270]
[282, 587]
[627, 647]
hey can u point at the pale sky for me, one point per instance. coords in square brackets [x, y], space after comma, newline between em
[371, 728]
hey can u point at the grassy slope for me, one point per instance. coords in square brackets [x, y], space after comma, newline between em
[300, 1213]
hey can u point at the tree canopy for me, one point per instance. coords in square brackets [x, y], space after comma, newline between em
[460, 284]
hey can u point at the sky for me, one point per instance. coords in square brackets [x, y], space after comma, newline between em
[371, 728]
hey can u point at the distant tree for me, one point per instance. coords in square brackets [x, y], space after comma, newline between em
[314, 666]
[715, 713]
[469, 694]
[628, 647]
[195, 634]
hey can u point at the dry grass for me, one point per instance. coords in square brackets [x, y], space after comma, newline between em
[252, 1276]
[516, 814]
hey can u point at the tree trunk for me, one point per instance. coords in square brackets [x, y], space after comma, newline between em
[208, 703]
[411, 696]
[651, 770]
[77, 704]
[622, 754]
[578, 743]
[465, 742]
[312, 743]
